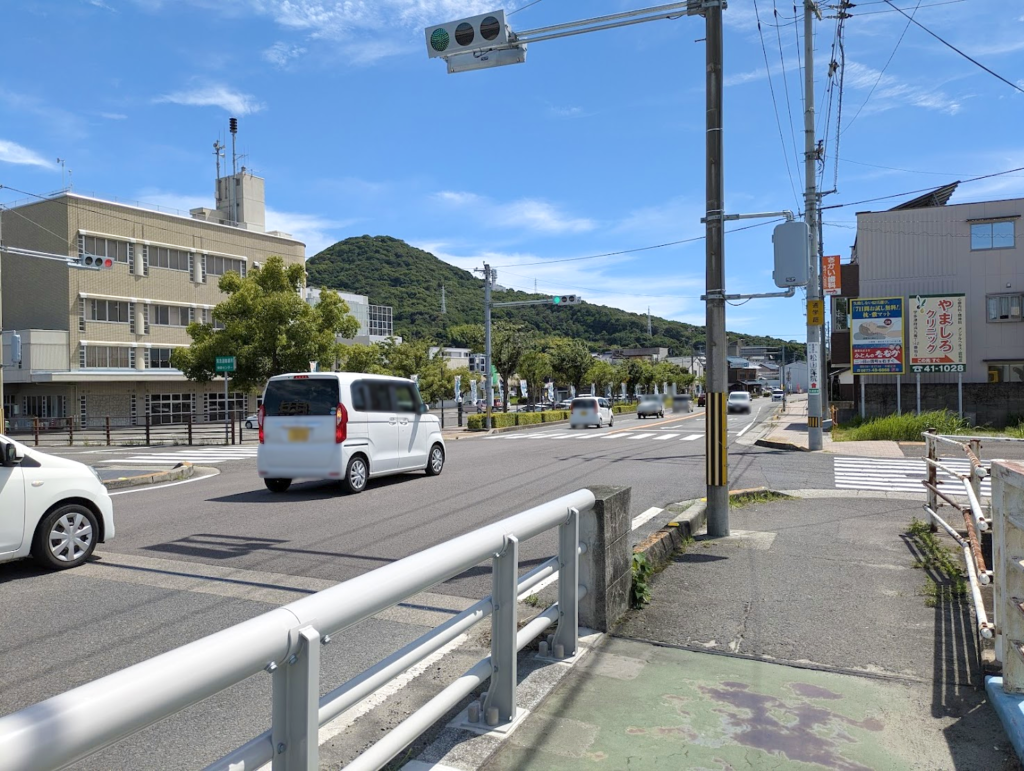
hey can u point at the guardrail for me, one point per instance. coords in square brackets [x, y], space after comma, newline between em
[976, 519]
[286, 642]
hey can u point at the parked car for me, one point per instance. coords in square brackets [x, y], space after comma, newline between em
[52, 509]
[252, 421]
[345, 426]
[702, 400]
[778, 395]
[738, 401]
[590, 411]
[650, 406]
[565, 404]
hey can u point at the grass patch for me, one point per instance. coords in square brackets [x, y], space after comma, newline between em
[942, 561]
[763, 496]
[900, 428]
[533, 600]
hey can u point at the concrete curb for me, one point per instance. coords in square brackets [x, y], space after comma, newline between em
[777, 445]
[660, 546]
[181, 471]
[1010, 708]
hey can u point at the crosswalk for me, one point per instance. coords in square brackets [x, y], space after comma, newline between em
[899, 475]
[200, 456]
[654, 436]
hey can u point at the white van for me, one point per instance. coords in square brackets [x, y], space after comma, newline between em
[51, 508]
[591, 411]
[346, 426]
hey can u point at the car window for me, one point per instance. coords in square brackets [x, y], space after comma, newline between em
[301, 396]
[585, 403]
[405, 398]
[380, 396]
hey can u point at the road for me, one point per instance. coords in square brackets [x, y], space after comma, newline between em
[195, 557]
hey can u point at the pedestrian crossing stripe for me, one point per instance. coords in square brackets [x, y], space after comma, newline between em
[193, 455]
[899, 475]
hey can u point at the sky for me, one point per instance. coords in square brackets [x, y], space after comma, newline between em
[594, 145]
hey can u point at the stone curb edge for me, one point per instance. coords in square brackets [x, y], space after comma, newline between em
[181, 471]
[776, 445]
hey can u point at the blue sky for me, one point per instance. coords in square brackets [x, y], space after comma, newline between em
[594, 145]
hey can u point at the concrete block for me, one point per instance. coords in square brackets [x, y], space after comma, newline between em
[605, 568]
[1010, 708]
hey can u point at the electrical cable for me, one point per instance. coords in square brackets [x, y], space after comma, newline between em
[922, 190]
[785, 79]
[907, 171]
[517, 10]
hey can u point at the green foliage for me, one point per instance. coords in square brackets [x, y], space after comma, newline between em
[364, 358]
[571, 362]
[900, 428]
[602, 374]
[268, 328]
[640, 589]
[467, 336]
[534, 367]
[946, 583]
[618, 409]
[506, 419]
[508, 344]
[391, 272]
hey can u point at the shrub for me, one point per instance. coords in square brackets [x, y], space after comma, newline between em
[901, 428]
[618, 409]
[506, 419]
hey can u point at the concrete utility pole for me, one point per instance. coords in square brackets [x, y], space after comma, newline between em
[488, 384]
[814, 439]
[716, 372]
[825, 380]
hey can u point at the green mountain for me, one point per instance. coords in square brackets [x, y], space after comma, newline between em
[390, 272]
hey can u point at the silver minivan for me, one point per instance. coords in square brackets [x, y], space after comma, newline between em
[346, 426]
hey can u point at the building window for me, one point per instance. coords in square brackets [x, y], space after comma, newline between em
[43, 406]
[215, 406]
[992, 235]
[170, 408]
[1004, 307]
[160, 358]
[106, 247]
[172, 259]
[218, 266]
[1006, 372]
[381, 323]
[169, 316]
[108, 356]
[114, 311]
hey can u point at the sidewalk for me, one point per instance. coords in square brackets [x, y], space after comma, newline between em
[801, 641]
[790, 433]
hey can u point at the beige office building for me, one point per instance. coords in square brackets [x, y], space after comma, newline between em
[97, 329]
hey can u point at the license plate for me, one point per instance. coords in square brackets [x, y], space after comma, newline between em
[298, 434]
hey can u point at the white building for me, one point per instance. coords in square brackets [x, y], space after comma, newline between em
[376, 322]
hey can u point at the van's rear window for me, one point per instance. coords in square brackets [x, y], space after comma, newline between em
[309, 396]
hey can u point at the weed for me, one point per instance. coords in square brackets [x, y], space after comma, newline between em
[944, 563]
[640, 590]
[533, 600]
[746, 499]
[900, 428]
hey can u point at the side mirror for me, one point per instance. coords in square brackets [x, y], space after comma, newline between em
[424, 409]
[10, 455]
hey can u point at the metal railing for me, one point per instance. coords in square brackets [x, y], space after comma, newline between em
[976, 519]
[286, 642]
[124, 430]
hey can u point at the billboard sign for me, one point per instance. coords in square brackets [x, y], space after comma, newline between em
[937, 339]
[831, 277]
[813, 367]
[876, 338]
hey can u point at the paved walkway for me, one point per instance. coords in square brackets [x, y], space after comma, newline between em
[791, 429]
[802, 641]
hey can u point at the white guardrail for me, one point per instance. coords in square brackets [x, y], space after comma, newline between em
[286, 642]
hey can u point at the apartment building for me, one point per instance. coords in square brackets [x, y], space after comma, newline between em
[376, 322]
[96, 330]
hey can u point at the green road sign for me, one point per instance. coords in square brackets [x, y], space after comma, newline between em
[225, 364]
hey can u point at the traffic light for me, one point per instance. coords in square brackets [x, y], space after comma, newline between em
[566, 299]
[476, 33]
[97, 263]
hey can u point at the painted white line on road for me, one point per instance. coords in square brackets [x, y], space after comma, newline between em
[615, 436]
[691, 438]
[750, 425]
[640, 436]
[646, 517]
[161, 487]
[665, 436]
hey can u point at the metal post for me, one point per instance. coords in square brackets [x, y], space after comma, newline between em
[190, 429]
[716, 438]
[296, 706]
[823, 330]
[933, 477]
[919, 393]
[863, 407]
[71, 431]
[108, 430]
[814, 415]
[960, 394]
[488, 385]
[500, 706]
[231, 418]
[899, 395]
[147, 429]
[35, 429]
[567, 634]
[226, 419]
[975, 445]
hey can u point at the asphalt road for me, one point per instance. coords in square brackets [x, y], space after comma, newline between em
[196, 557]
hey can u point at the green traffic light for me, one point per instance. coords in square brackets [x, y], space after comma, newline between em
[556, 300]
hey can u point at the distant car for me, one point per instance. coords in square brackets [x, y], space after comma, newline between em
[253, 421]
[650, 406]
[739, 401]
[590, 411]
[702, 400]
[777, 395]
[565, 404]
[542, 407]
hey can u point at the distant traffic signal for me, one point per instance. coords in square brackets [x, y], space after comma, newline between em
[476, 33]
[566, 299]
[92, 261]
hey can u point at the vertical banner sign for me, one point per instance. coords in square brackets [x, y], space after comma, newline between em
[551, 392]
[458, 388]
[813, 367]
[876, 338]
[572, 391]
[472, 390]
[831, 276]
[623, 390]
[937, 341]
[522, 388]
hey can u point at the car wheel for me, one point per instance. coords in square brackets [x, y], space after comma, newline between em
[356, 474]
[248, 424]
[611, 422]
[436, 461]
[66, 537]
[277, 485]
[661, 414]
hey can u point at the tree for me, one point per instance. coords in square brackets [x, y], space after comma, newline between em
[508, 344]
[267, 327]
[364, 358]
[572, 361]
[633, 375]
[602, 374]
[534, 367]
[469, 336]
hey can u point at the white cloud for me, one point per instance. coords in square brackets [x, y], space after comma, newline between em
[215, 95]
[567, 112]
[12, 152]
[104, 6]
[891, 92]
[113, 115]
[529, 213]
[281, 54]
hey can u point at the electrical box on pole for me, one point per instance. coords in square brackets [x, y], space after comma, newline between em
[792, 254]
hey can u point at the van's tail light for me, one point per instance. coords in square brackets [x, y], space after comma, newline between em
[260, 415]
[340, 424]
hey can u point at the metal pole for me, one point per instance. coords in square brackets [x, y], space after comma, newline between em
[823, 330]
[3, 408]
[811, 217]
[863, 409]
[960, 393]
[716, 438]
[227, 428]
[899, 395]
[488, 385]
[918, 393]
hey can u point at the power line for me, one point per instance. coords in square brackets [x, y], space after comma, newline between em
[908, 171]
[517, 10]
[775, 105]
[922, 190]
[785, 79]
[950, 45]
[881, 2]
[882, 72]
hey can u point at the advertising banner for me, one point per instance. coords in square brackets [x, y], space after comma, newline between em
[876, 338]
[937, 339]
[831, 276]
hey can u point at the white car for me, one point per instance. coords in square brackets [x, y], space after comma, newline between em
[738, 401]
[590, 411]
[252, 421]
[52, 509]
[777, 395]
[650, 406]
[345, 426]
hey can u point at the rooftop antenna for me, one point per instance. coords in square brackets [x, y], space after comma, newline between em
[218, 151]
[63, 184]
[233, 127]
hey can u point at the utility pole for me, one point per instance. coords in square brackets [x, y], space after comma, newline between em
[825, 380]
[716, 373]
[3, 404]
[814, 439]
[488, 384]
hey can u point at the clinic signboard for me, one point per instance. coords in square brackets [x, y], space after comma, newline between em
[876, 336]
[937, 338]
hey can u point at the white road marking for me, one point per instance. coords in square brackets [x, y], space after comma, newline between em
[691, 438]
[750, 425]
[664, 437]
[640, 436]
[147, 488]
[646, 517]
